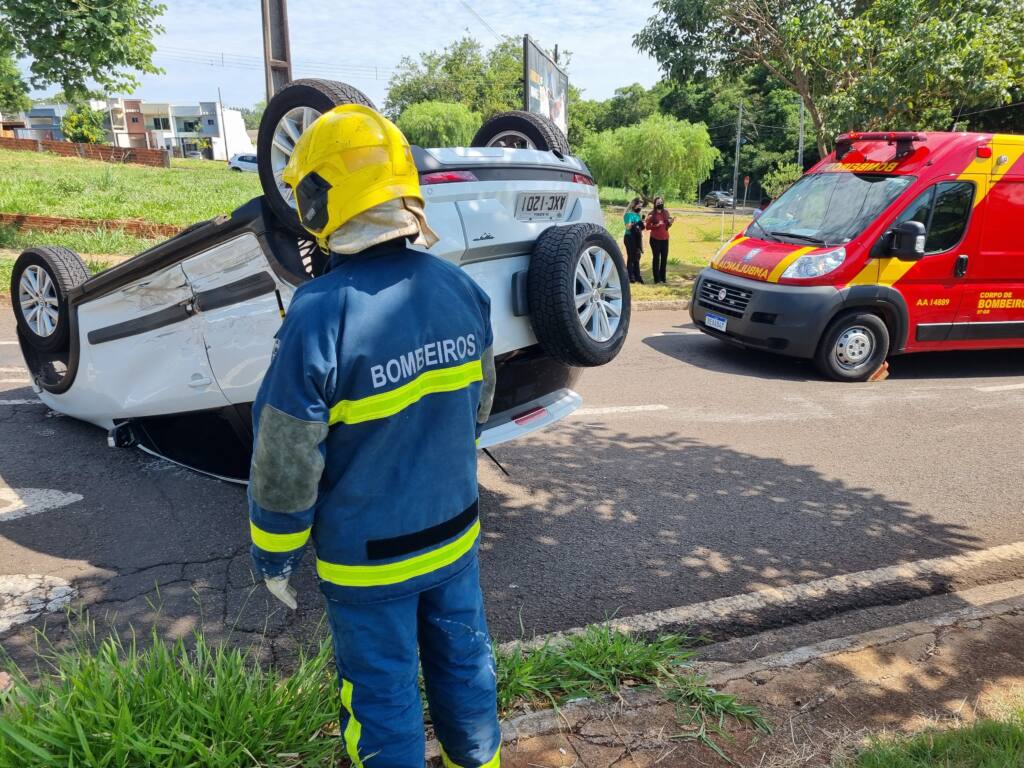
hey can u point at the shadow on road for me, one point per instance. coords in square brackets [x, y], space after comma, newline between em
[594, 522]
[718, 356]
[597, 522]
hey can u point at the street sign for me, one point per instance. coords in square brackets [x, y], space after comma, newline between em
[746, 181]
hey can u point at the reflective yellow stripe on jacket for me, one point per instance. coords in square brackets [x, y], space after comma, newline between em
[389, 403]
[402, 570]
[277, 542]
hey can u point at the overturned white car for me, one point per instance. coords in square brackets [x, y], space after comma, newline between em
[167, 350]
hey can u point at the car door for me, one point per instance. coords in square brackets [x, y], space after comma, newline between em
[236, 301]
[933, 286]
[145, 344]
[992, 311]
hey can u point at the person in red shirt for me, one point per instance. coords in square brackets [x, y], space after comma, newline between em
[658, 222]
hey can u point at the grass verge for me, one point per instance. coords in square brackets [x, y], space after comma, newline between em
[985, 744]
[187, 192]
[172, 704]
[99, 241]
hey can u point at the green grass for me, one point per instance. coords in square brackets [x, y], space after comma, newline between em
[187, 192]
[103, 242]
[113, 703]
[694, 239]
[985, 744]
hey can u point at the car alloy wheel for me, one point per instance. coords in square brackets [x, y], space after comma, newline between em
[289, 128]
[854, 346]
[37, 296]
[511, 140]
[598, 293]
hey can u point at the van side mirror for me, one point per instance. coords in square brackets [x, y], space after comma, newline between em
[908, 241]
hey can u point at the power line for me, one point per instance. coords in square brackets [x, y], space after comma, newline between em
[241, 61]
[480, 18]
[990, 109]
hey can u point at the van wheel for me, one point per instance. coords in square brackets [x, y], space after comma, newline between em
[853, 347]
[40, 282]
[578, 294]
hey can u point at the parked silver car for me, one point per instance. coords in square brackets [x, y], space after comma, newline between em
[243, 162]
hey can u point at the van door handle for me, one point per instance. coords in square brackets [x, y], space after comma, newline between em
[961, 265]
[198, 380]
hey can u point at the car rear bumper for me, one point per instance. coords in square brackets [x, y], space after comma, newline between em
[787, 319]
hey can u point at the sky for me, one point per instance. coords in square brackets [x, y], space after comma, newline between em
[218, 43]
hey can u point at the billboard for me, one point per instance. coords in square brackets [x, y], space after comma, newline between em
[545, 86]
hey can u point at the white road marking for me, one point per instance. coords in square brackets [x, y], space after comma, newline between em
[751, 602]
[1000, 388]
[618, 409]
[24, 596]
[21, 402]
[8, 343]
[23, 380]
[22, 502]
[684, 332]
[16, 369]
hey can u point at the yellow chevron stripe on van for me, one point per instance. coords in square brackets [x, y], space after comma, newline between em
[726, 248]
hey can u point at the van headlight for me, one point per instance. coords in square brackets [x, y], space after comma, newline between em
[816, 264]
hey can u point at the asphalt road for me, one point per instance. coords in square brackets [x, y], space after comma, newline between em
[696, 471]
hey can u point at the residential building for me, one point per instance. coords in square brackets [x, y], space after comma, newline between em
[184, 128]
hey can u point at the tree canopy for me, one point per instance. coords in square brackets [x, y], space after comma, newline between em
[76, 44]
[854, 63]
[659, 155]
[487, 82]
[13, 90]
[438, 124]
[84, 125]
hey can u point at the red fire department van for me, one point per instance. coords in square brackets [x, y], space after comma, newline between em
[897, 242]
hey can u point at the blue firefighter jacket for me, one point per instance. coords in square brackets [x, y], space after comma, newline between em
[364, 426]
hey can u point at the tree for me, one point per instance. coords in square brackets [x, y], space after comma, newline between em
[13, 90]
[462, 73]
[251, 116]
[854, 63]
[629, 105]
[777, 181]
[438, 124]
[660, 155]
[85, 125]
[76, 44]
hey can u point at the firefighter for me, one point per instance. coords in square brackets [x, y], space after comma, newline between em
[365, 440]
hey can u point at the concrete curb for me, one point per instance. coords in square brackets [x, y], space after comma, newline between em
[718, 674]
[647, 306]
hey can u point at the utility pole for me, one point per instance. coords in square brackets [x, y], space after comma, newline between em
[277, 58]
[736, 159]
[556, 53]
[223, 126]
[800, 145]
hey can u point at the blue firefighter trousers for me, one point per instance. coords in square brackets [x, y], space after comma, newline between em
[375, 649]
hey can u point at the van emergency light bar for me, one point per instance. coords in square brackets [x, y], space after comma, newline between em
[904, 141]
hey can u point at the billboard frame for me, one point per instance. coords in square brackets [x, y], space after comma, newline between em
[527, 43]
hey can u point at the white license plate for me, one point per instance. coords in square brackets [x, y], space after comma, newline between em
[547, 207]
[711, 320]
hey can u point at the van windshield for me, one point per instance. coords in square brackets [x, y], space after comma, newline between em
[830, 208]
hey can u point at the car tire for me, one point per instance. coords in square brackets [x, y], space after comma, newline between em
[521, 130]
[236, 168]
[559, 275]
[853, 346]
[289, 112]
[40, 282]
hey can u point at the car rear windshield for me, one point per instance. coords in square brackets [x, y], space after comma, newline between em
[831, 208]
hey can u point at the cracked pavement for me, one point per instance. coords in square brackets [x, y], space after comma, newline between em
[752, 473]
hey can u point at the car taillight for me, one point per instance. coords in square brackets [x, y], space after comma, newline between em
[446, 177]
[579, 178]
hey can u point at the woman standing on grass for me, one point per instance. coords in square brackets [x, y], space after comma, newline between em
[658, 222]
[633, 239]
